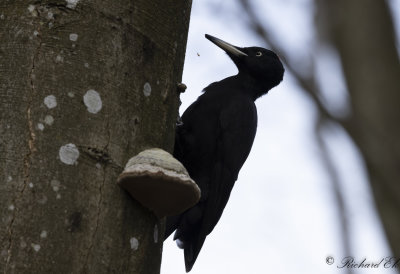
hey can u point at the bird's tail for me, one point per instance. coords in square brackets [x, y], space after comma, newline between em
[189, 234]
[192, 250]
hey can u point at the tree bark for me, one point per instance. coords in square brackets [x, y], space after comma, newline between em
[84, 86]
[364, 37]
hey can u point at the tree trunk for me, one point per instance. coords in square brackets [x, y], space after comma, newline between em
[363, 34]
[84, 86]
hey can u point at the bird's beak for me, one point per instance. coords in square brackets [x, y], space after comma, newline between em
[228, 48]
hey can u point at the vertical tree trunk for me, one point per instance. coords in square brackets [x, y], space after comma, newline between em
[84, 86]
[363, 34]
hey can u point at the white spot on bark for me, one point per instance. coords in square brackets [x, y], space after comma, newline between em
[55, 185]
[2, 16]
[71, 94]
[43, 234]
[155, 235]
[50, 101]
[35, 33]
[72, 3]
[68, 154]
[86, 65]
[11, 207]
[98, 165]
[40, 126]
[30, 185]
[32, 10]
[73, 37]
[58, 197]
[35, 247]
[59, 59]
[9, 178]
[134, 243]
[50, 15]
[146, 89]
[49, 120]
[92, 101]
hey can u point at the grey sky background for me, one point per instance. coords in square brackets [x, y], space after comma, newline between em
[282, 217]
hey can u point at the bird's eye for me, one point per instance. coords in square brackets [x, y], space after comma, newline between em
[259, 53]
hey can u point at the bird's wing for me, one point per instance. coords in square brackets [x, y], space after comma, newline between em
[194, 147]
[237, 124]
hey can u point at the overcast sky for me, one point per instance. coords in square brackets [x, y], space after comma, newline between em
[281, 217]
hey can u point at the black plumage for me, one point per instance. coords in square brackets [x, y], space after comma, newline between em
[215, 138]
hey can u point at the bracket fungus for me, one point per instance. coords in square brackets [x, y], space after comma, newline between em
[159, 182]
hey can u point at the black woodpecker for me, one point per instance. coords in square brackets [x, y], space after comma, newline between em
[215, 138]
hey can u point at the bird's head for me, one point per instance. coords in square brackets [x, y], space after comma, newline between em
[260, 67]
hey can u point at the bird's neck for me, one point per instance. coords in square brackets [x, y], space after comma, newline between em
[250, 86]
[240, 83]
